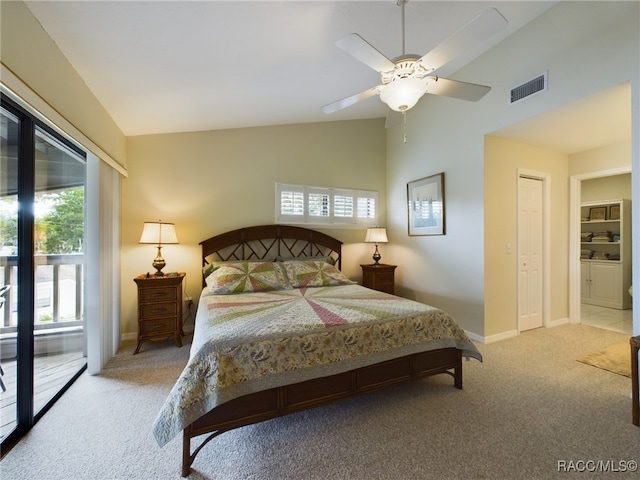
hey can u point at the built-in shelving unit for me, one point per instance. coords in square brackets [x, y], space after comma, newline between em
[605, 253]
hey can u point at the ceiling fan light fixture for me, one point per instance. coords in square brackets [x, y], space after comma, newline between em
[403, 93]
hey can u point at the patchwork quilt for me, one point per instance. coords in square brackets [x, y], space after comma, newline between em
[248, 342]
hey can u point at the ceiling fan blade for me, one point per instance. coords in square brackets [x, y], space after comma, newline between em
[348, 101]
[453, 88]
[393, 119]
[477, 30]
[359, 48]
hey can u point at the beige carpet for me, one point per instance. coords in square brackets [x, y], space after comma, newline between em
[525, 413]
[615, 358]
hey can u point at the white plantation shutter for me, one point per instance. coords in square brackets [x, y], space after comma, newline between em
[366, 207]
[303, 204]
[318, 201]
[290, 203]
[342, 205]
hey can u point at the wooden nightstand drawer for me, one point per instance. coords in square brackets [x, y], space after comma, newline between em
[148, 295]
[161, 326]
[379, 277]
[384, 278]
[158, 310]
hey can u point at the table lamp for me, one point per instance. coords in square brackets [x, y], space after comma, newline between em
[376, 235]
[159, 233]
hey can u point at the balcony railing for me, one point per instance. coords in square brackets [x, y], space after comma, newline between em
[59, 343]
[59, 284]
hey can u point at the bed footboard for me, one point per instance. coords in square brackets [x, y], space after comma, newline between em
[280, 401]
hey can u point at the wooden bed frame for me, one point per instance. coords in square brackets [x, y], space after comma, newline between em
[266, 243]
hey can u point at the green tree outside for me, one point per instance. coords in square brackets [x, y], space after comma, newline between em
[60, 230]
[64, 224]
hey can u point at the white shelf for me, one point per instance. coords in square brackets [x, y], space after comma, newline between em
[598, 260]
[606, 282]
[589, 222]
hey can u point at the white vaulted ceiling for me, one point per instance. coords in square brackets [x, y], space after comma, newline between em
[172, 66]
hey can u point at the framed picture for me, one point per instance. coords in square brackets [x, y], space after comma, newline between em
[614, 212]
[598, 213]
[425, 199]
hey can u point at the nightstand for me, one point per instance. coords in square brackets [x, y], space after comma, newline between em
[159, 308]
[379, 277]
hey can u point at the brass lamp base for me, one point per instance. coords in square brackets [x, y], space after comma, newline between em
[159, 263]
[376, 256]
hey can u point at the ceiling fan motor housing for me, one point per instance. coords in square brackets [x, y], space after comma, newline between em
[405, 84]
[405, 66]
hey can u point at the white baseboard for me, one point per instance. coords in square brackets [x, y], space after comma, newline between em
[493, 338]
[511, 333]
[557, 322]
[500, 336]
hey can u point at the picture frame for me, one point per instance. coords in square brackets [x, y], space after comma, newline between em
[597, 213]
[426, 205]
[614, 212]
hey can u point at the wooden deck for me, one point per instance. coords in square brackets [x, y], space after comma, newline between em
[51, 373]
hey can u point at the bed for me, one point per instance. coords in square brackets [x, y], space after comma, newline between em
[280, 329]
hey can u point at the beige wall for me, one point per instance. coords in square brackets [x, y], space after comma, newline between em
[503, 158]
[607, 157]
[606, 188]
[211, 182]
[36, 69]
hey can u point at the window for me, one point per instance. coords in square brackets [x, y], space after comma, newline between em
[302, 204]
[292, 203]
[318, 203]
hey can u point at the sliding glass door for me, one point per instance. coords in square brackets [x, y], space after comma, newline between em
[9, 135]
[42, 218]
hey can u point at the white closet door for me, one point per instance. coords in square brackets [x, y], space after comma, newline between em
[530, 254]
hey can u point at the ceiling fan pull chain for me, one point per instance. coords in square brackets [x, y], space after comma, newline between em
[404, 125]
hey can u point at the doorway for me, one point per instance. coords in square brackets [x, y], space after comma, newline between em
[605, 185]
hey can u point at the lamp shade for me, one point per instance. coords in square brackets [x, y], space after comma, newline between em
[403, 93]
[159, 233]
[376, 235]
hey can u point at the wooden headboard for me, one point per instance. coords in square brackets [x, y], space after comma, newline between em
[266, 242]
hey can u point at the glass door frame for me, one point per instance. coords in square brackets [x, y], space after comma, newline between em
[26, 278]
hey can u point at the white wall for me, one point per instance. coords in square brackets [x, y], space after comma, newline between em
[575, 42]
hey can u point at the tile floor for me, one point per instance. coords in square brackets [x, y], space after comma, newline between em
[608, 318]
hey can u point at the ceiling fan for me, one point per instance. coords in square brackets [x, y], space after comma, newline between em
[406, 78]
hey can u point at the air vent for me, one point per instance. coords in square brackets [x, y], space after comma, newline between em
[533, 86]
